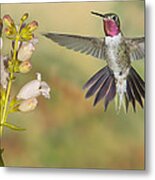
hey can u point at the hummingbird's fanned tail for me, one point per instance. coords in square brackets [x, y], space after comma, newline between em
[105, 85]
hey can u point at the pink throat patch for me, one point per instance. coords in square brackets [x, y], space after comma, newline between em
[111, 28]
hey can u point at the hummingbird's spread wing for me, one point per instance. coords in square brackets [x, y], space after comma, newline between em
[88, 45]
[136, 48]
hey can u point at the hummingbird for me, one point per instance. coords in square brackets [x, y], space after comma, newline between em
[118, 79]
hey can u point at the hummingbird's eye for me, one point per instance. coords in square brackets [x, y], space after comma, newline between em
[114, 18]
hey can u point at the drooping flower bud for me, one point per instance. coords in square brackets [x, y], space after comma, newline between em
[25, 66]
[8, 21]
[32, 26]
[28, 105]
[24, 17]
[34, 88]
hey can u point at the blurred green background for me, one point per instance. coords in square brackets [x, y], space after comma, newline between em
[67, 131]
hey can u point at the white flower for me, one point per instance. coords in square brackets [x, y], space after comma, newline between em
[28, 105]
[34, 89]
[3, 72]
[26, 50]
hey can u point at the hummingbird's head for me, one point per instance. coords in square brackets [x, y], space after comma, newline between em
[111, 23]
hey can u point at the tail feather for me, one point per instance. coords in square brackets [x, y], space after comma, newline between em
[126, 102]
[95, 77]
[136, 93]
[103, 90]
[135, 88]
[96, 85]
[131, 95]
[139, 82]
[105, 85]
[136, 75]
[111, 94]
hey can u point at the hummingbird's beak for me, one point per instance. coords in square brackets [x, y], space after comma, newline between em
[98, 14]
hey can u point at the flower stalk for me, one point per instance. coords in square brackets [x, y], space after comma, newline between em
[4, 112]
[23, 46]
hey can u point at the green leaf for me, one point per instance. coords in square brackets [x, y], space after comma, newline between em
[13, 127]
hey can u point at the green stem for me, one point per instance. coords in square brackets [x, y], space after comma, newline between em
[4, 113]
[1, 158]
[5, 109]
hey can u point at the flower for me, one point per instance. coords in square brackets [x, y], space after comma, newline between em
[8, 21]
[3, 72]
[25, 66]
[32, 26]
[26, 50]
[24, 17]
[29, 93]
[34, 89]
[28, 105]
[10, 30]
[27, 31]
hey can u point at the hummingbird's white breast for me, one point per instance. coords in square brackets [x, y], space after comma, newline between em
[112, 51]
[115, 40]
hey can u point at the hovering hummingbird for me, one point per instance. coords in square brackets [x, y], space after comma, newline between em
[118, 78]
